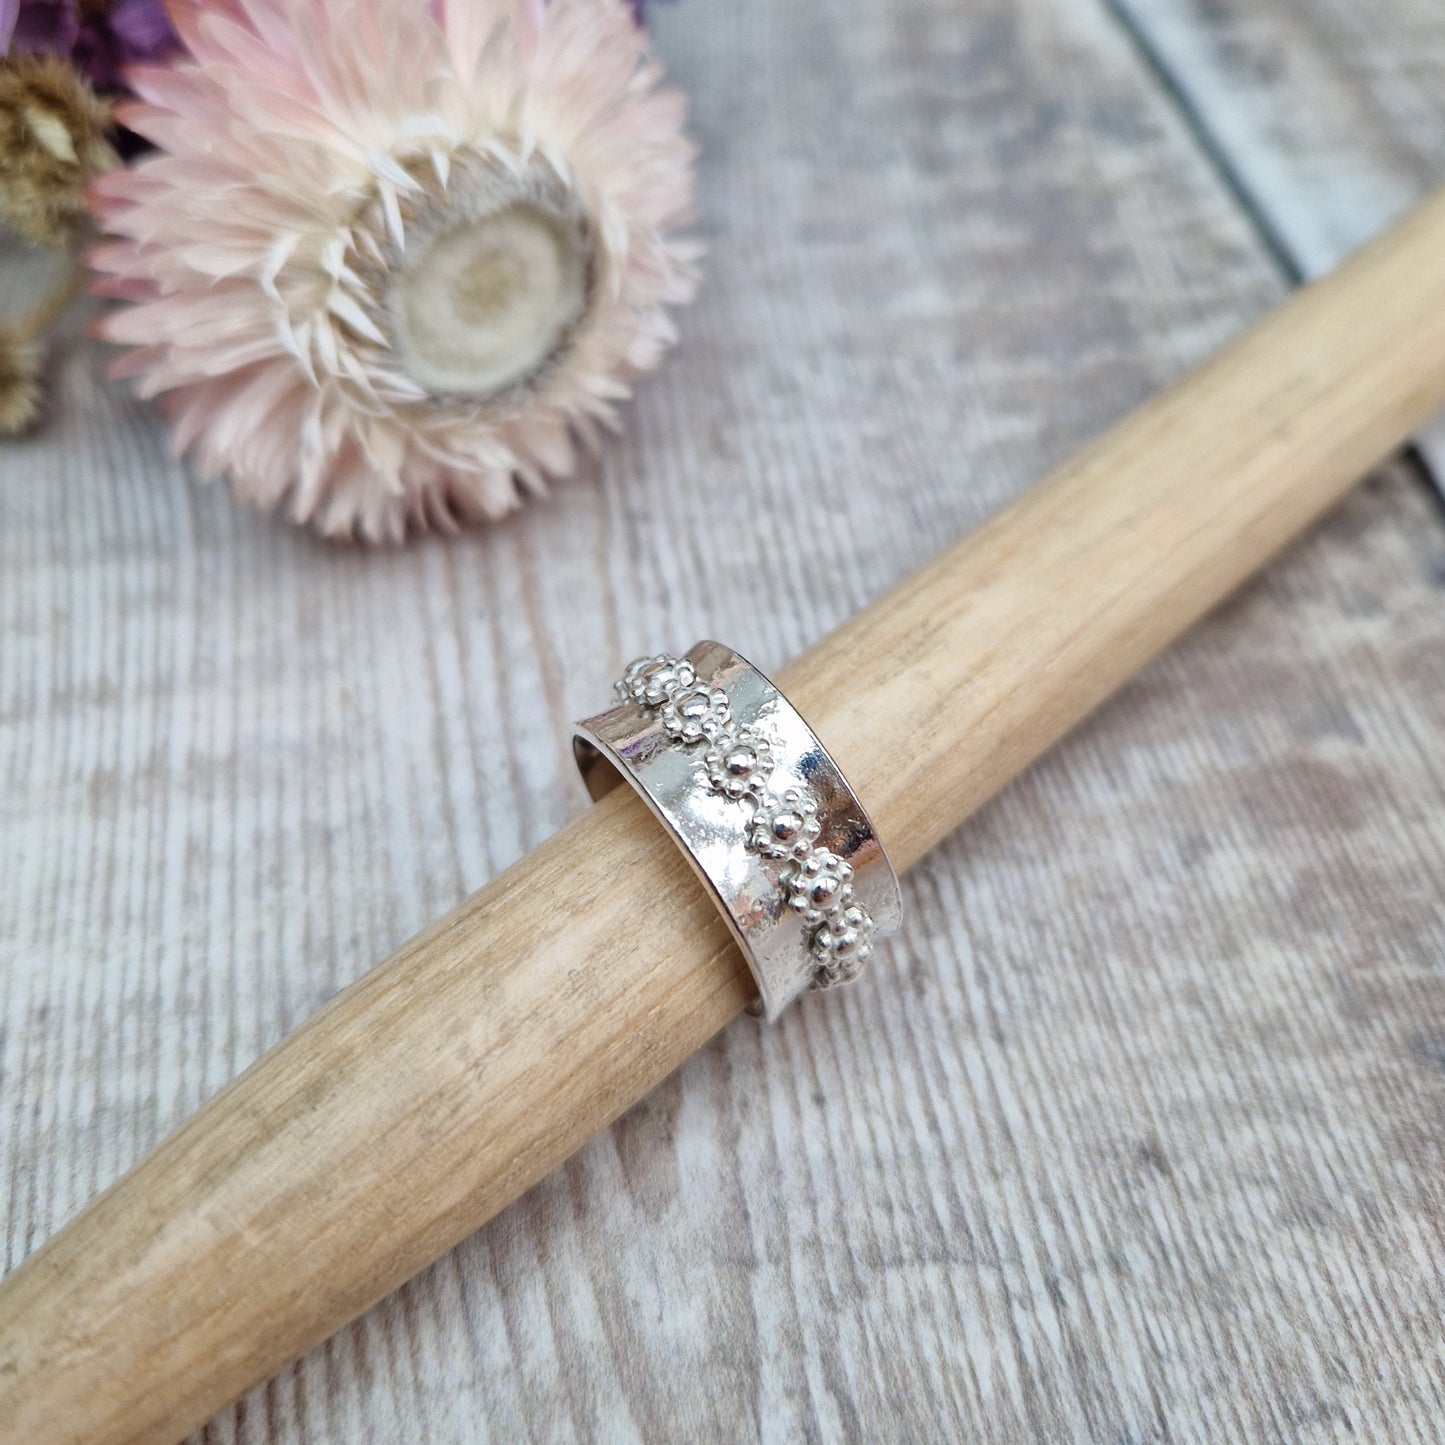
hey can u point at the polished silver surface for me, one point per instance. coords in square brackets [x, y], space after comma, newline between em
[762, 812]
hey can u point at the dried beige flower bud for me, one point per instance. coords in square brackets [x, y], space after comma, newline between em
[19, 383]
[52, 144]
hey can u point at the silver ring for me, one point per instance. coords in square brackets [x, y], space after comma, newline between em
[762, 812]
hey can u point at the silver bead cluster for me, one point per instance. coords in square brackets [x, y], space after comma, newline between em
[738, 763]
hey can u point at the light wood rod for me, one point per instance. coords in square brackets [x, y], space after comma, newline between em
[445, 1082]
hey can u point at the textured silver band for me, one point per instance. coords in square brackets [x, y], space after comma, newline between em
[760, 809]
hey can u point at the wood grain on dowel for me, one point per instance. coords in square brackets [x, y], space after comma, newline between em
[441, 1085]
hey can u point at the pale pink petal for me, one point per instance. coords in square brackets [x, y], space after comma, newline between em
[253, 247]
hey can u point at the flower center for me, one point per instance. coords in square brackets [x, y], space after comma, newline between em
[485, 301]
[823, 888]
[740, 762]
[787, 826]
[695, 706]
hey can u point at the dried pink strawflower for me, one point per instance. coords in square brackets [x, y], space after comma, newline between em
[393, 256]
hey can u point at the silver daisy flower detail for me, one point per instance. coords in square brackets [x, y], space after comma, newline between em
[693, 713]
[820, 884]
[785, 827]
[650, 681]
[842, 945]
[739, 762]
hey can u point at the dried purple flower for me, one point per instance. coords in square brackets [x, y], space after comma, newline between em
[39, 27]
[124, 33]
[100, 40]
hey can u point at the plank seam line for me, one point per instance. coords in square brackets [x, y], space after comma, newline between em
[1255, 212]
[1199, 128]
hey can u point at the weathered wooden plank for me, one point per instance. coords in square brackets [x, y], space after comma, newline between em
[1137, 1132]
[1328, 116]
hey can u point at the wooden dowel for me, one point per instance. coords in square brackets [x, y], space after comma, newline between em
[441, 1085]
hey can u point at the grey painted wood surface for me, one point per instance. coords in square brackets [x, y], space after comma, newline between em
[1138, 1133]
[1326, 117]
